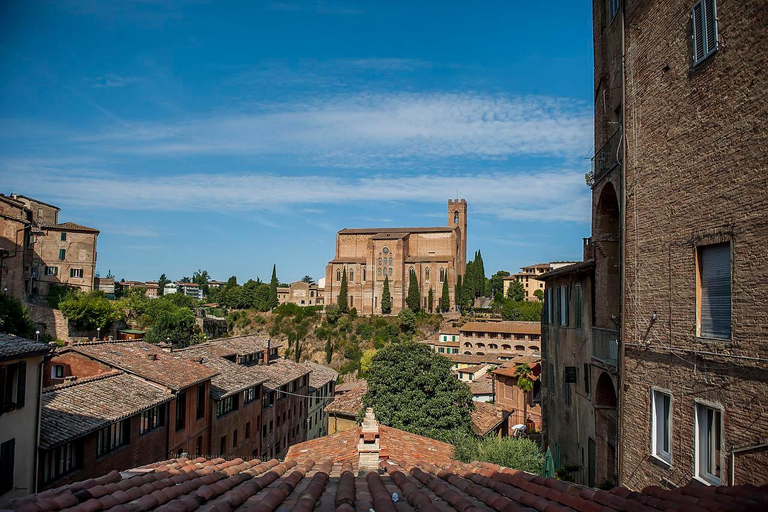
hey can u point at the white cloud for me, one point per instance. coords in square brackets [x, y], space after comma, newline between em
[556, 195]
[111, 80]
[373, 130]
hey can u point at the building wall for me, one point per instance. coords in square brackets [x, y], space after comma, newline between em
[318, 427]
[501, 344]
[186, 439]
[80, 254]
[236, 420]
[695, 175]
[338, 423]
[511, 398]
[21, 425]
[14, 238]
[73, 364]
[289, 421]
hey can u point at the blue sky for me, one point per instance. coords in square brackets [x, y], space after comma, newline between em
[228, 136]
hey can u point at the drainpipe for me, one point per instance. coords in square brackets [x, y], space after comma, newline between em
[735, 451]
[623, 142]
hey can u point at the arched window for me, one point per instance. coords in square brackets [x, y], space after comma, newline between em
[506, 347]
[411, 271]
[363, 273]
[468, 345]
[455, 217]
[442, 275]
[520, 348]
[426, 275]
[534, 348]
[390, 270]
[338, 275]
[493, 346]
[480, 354]
[379, 260]
[379, 272]
[480, 345]
[351, 276]
[390, 261]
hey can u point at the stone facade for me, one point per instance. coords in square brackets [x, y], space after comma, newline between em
[15, 247]
[504, 340]
[301, 293]
[435, 254]
[529, 278]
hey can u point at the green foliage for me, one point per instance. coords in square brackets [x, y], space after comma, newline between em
[386, 298]
[496, 283]
[413, 389]
[332, 314]
[516, 291]
[414, 295]
[539, 294]
[524, 376]
[342, 300]
[91, 311]
[58, 293]
[516, 453]
[445, 302]
[14, 317]
[457, 291]
[161, 284]
[308, 280]
[366, 362]
[430, 300]
[528, 311]
[474, 283]
[407, 321]
[294, 322]
[273, 283]
[168, 319]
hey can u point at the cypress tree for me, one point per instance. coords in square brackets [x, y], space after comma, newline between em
[414, 297]
[445, 303]
[386, 298]
[341, 301]
[457, 291]
[430, 299]
[273, 288]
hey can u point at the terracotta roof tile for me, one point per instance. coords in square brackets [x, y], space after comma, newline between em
[244, 345]
[350, 403]
[74, 409]
[146, 361]
[70, 226]
[231, 378]
[14, 346]
[487, 417]
[482, 385]
[321, 375]
[502, 327]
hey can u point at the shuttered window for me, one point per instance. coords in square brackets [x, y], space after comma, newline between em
[577, 299]
[704, 18]
[715, 291]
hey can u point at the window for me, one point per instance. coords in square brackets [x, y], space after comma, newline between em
[550, 317]
[379, 260]
[351, 276]
[200, 410]
[151, 419]
[51, 271]
[63, 237]
[707, 443]
[661, 425]
[426, 275]
[390, 269]
[226, 405]
[7, 462]
[338, 275]
[378, 272]
[181, 410]
[570, 376]
[587, 386]
[57, 371]
[562, 299]
[714, 291]
[61, 460]
[62, 254]
[76, 272]
[113, 436]
[614, 8]
[223, 445]
[249, 395]
[234, 439]
[248, 430]
[364, 274]
[13, 379]
[577, 299]
[390, 263]
[704, 18]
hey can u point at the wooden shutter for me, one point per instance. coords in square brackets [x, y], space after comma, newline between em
[22, 384]
[698, 32]
[715, 276]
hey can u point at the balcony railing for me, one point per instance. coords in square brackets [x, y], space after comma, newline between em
[605, 345]
[605, 159]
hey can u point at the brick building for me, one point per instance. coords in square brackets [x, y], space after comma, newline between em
[301, 293]
[525, 407]
[434, 254]
[322, 384]
[529, 278]
[680, 197]
[16, 238]
[504, 340]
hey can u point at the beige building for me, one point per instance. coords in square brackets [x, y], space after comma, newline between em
[529, 277]
[301, 293]
[504, 340]
[434, 254]
[15, 247]
[20, 363]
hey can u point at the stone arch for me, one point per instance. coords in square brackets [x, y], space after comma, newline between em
[606, 234]
[605, 393]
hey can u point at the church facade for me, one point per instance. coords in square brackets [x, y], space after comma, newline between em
[434, 254]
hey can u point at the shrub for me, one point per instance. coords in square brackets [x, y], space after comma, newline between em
[515, 453]
[14, 317]
[58, 293]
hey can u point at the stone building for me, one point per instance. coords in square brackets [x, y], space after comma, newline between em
[504, 340]
[679, 202]
[529, 278]
[20, 363]
[301, 293]
[15, 247]
[525, 407]
[434, 254]
[322, 383]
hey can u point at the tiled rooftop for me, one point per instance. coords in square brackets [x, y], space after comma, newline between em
[280, 371]
[321, 375]
[183, 485]
[508, 368]
[472, 359]
[14, 346]
[147, 361]
[71, 226]
[482, 385]
[374, 231]
[244, 345]
[350, 403]
[74, 409]
[487, 417]
[502, 327]
[232, 378]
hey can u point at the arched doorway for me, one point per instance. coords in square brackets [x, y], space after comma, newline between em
[605, 429]
[606, 233]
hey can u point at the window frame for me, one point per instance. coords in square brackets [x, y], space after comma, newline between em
[700, 296]
[151, 419]
[76, 273]
[707, 477]
[62, 254]
[657, 450]
[112, 437]
[704, 39]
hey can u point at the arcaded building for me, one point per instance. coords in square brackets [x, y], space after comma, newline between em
[434, 254]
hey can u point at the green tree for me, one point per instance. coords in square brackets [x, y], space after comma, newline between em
[445, 301]
[58, 293]
[413, 389]
[366, 361]
[457, 291]
[332, 314]
[91, 311]
[414, 295]
[201, 277]
[167, 322]
[273, 288]
[308, 280]
[430, 300]
[539, 294]
[342, 300]
[161, 284]
[524, 376]
[386, 298]
[497, 282]
[516, 291]
[407, 321]
[261, 299]
[14, 317]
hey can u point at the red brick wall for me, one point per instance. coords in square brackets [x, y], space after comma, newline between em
[185, 440]
[74, 364]
[236, 420]
[290, 431]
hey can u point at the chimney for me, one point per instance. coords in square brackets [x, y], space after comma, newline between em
[369, 446]
[266, 352]
[152, 357]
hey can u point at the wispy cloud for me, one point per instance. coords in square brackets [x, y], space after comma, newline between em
[110, 80]
[372, 130]
[556, 195]
[130, 230]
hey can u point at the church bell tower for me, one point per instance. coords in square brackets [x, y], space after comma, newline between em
[457, 216]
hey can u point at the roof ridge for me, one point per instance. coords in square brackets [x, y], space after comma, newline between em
[84, 380]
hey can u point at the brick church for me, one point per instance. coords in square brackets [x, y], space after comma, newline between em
[435, 254]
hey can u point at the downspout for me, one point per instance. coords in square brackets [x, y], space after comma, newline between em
[622, 304]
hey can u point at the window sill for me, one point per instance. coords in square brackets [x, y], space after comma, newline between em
[707, 482]
[661, 462]
[711, 340]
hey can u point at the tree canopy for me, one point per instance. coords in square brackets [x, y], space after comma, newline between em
[413, 389]
[414, 296]
[90, 311]
[516, 291]
[386, 298]
[273, 283]
[342, 299]
[14, 317]
[496, 283]
[445, 300]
